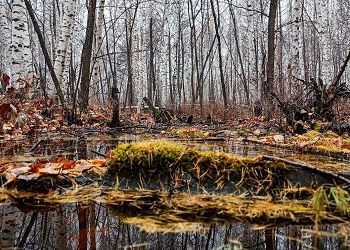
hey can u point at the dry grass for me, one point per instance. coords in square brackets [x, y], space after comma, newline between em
[260, 198]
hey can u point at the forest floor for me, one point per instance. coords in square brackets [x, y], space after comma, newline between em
[320, 189]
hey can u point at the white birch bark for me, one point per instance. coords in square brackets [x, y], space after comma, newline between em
[20, 46]
[5, 38]
[296, 39]
[59, 227]
[140, 63]
[62, 58]
[98, 52]
[163, 74]
[251, 4]
[326, 66]
[9, 221]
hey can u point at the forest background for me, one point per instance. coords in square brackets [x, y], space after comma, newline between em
[179, 54]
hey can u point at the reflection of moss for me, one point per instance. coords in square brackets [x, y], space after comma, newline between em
[156, 212]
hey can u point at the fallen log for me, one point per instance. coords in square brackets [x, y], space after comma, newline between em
[306, 166]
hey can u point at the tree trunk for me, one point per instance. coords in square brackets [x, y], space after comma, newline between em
[62, 61]
[151, 78]
[296, 39]
[5, 40]
[86, 56]
[83, 225]
[20, 47]
[326, 66]
[129, 28]
[46, 54]
[97, 52]
[222, 78]
[270, 68]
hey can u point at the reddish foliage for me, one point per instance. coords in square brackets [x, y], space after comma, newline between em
[66, 164]
[3, 169]
[36, 167]
[5, 108]
[5, 80]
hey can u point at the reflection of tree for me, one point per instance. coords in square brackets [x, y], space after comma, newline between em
[83, 227]
[59, 222]
[10, 218]
[92, 226]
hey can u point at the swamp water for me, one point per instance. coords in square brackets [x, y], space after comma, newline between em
[94, 225]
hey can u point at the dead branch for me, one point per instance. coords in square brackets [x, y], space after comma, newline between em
[342, 70]
[308, 167]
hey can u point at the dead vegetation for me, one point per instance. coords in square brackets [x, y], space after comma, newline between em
[325, 143]
[163, 186]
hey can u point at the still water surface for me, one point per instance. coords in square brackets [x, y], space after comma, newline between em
[92, 225]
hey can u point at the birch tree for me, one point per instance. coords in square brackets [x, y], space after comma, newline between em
[326, 66]
[97, 51]
[61, 61]
[5, 37]
[129, 35]
[20, 46]
[296, 39]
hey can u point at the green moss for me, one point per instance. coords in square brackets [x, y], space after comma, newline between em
[312, 134]
[161, 159]
[318, 127]
[346, 141]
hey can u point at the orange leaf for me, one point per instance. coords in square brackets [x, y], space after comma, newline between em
[99, 162]
[36, 166]
[67, 164]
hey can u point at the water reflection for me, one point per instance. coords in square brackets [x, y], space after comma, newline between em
[92, 226]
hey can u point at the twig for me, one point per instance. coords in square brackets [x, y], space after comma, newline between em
[98, 153]
[342, 70]
[35, 145]
[308, 166]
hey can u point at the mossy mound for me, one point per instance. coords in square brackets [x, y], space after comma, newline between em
[163, 164]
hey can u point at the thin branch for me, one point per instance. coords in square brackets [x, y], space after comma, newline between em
[45, 52]
[342, 70]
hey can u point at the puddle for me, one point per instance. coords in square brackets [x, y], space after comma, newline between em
[94, 226]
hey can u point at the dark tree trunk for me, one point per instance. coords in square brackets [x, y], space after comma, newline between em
[86, 56]
[83, 226]
[222, 78]
[152, 78]
[115, 122]
[270, 68]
